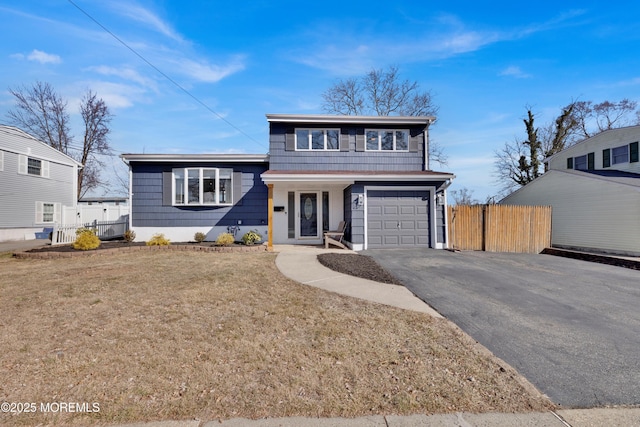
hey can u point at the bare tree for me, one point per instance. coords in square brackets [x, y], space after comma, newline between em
[595, 118]
[96, 118]
[378, 93]
[382, 93]
[516, 166]
[41, 112]
[463, 196]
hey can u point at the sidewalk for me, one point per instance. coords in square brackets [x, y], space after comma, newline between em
[22, 245]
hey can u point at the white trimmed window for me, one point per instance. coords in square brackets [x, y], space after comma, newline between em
[620, 154]
[47, 213]
[387, 140]
[580, 163]
[32, 166]
[202, 186]
[317, 139]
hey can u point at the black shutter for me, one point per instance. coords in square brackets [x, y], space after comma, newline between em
[633, 152]
[570, 163]
[606, 157]
[591, 161]
[237, 188]
[167, 196]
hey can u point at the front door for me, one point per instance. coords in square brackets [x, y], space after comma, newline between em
[308, 215]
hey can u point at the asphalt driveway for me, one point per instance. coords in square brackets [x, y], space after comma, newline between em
[570, 327]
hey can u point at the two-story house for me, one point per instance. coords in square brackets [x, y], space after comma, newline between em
[370, 172]
[594, 190]
[36, 183]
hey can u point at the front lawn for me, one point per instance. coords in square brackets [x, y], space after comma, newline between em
[163, 335]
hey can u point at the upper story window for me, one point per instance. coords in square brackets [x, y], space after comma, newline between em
[387, 140]
[580, 163]
[623, 154]
[32, 166]
[317, 139]
[620, 154]
[202, 186]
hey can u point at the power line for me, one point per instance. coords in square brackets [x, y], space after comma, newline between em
[196, 99]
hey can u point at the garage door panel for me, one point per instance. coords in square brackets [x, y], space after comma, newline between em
[390, 210]
[397, 218]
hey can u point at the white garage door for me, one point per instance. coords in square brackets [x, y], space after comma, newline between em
[397, 218]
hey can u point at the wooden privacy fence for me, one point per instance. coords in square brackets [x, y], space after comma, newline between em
[500, 228]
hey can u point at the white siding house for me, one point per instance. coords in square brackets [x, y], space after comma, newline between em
[36, 183]
[594, 190]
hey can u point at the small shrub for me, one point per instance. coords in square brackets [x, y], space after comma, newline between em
[129, 236]
[81, 230]
[225, 239]
[199, 237]
[86, 240]
[251, 237]
[158, 240]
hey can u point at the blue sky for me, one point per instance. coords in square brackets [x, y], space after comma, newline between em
[485, 63]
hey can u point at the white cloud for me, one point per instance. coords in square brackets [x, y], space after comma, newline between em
[210, 73]
[125, 73]
[514, 71]
[145, 16]
[39, 56]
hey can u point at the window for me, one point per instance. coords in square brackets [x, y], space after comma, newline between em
[1, 161]
[32, 166]
[580, 163]
[202, 186]
[47, 213]
[387, 140]
[317, 139]
[620, 155]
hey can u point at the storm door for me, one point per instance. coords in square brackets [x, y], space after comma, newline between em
[308, 215]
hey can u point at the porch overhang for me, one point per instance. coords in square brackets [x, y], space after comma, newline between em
[350, 177]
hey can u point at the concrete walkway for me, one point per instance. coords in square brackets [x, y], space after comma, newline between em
[300, 263]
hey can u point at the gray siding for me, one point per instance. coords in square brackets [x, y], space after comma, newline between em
[148, 210]
[281, 157]
[20, 192]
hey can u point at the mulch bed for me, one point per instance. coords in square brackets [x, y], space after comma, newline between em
[357, 265]
[110, 247]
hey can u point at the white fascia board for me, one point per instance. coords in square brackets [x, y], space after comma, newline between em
[370, 120]
[349, 179]
[193, 158]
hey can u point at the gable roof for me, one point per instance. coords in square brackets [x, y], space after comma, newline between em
[14, 133]
[600, 135]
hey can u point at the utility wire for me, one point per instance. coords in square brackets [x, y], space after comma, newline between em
[189, 94]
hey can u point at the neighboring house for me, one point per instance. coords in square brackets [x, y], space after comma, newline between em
[36, 183]
[594, 189]
[371, 172]
[180, 195]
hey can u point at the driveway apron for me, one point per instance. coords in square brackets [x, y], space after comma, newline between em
[570, 327]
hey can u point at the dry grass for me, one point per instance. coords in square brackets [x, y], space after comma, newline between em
[171, 335]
